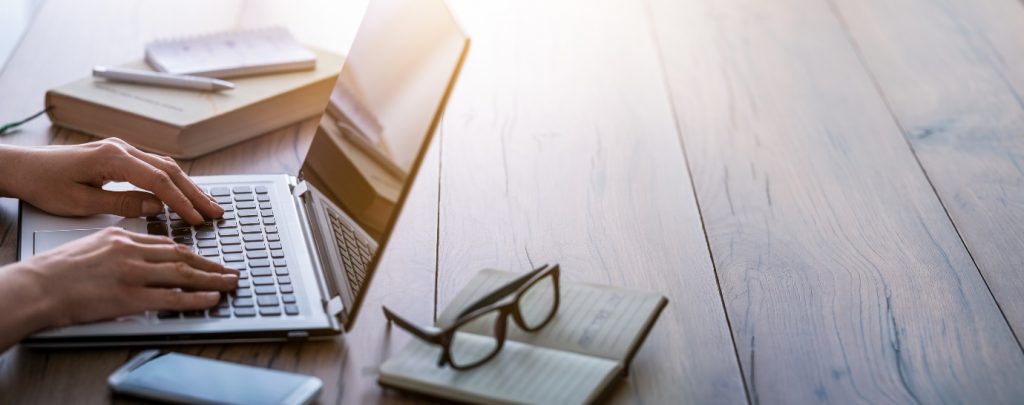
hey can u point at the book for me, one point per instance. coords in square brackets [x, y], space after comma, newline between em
[574, 359]
[231, 54]
[187, 123]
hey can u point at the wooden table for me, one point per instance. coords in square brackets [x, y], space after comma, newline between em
[829, 192]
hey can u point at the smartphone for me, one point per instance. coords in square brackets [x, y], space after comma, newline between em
[175, 377]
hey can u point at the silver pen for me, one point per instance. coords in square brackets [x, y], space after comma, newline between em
[161, 79]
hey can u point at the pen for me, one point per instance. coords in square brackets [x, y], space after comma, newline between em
[161, 79]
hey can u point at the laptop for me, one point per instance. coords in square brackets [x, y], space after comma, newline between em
[307, 244]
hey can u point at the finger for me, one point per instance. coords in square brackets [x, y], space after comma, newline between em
[179, 253]
[181, 275]
[124, 203]
[175, 300]
[202, 202]
[147, 239]
[146, 176]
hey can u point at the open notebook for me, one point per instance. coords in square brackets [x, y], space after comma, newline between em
[574, 359]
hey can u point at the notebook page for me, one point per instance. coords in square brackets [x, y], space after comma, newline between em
[231, 54]
[519, 374]
[591, 319]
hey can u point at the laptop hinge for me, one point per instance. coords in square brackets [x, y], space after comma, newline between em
[330, 299]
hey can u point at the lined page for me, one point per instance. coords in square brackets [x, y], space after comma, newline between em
[593, 320]
[519, 374]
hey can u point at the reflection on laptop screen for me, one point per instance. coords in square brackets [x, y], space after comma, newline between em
[381, 115]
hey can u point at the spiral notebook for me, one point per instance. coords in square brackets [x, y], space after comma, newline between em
[231, 54]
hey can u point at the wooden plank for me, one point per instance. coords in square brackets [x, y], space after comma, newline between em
[953, 75]
[559, 146]
[843, 277]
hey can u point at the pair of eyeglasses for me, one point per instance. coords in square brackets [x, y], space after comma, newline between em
[531, 300]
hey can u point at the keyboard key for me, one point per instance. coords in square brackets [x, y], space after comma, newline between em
[252, 237]
[244, 284]
[227, 224]
[228, 215]
[267, 300]
[227, 207]
[267, 213]
[265, 206]
[156, 228]
[287, 288]
[275, 245]
[288, 298]
[242, 302]
[222, 312]
[209, 252]
[261, 271]
[243, 197]
[222, 200]
[243, 293]
[168, 315]
[280, 263]
[277, 254]
[206, 235]
[291, 309]
[245, 312]
[248, 205]
[281, 271]
[263, 280]
[242, 190]
[206, 244]
[247, 213]
[184, 241]
[219, 191]
[249, 221]
[230, 241]
[228, 232]
[232, 249]
[194, 314]
[269, 221]
[205, 227]
[270, 311]
[233, 258]
[237, 266]
[255, 246]
[174, 216]
[265, 289]
[159, 218]
[284, 280]
[251, 229]
[261, 190]
[271, 229]
[259, 263]
[273, 238]
[262, 198]
[181, 232]
[256, 254]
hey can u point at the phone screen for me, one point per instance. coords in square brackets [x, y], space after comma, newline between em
[193, 378]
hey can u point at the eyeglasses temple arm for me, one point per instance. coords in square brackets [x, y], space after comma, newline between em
[500, 293]
[409, 326]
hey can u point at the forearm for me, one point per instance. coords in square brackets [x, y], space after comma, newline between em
[11, 161]
[24, 308]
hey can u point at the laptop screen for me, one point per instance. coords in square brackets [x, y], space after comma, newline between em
[382, 112]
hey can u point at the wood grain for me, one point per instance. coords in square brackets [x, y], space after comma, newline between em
[953, 75]
[843, 277]
[559, 146]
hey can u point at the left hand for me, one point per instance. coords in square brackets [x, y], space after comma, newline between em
[67, 180]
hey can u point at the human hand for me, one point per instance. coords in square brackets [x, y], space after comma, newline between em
[67, 180]
[115, 272]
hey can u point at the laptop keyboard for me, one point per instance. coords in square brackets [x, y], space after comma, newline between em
[355, 253]
[247, 239]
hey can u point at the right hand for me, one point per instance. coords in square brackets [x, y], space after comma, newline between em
[115, 273]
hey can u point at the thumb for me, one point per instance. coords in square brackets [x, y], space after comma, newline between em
[124, 203]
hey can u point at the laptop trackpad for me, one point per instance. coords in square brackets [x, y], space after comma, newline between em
[46, 240]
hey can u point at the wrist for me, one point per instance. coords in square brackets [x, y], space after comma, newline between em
[23, 283]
